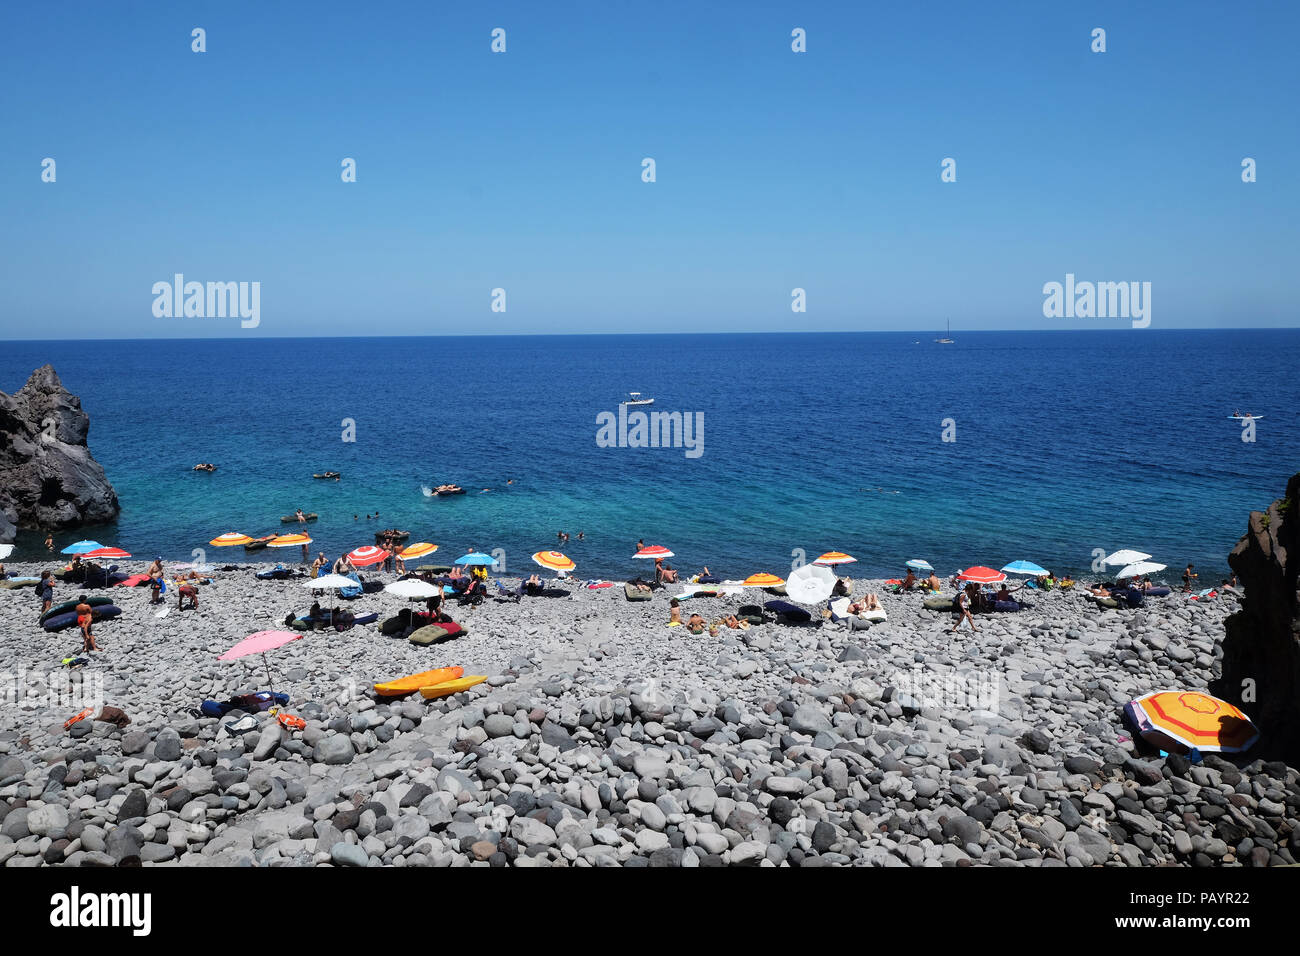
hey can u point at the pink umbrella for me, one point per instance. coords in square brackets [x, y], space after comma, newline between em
[106, 553]
[260, 643]
[367, 555]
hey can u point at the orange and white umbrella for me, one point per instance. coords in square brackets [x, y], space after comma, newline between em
[367, 555]
[654, 551]
[835, 557]
[417, 550]
[230, 539]
[1177, 721]
[288, 540]
[763, 580]
[554, 561]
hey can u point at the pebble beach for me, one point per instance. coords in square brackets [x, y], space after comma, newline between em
[603, 737]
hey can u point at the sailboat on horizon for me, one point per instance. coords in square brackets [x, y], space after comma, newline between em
[947, 339]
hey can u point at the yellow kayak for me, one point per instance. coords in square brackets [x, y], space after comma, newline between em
[408, 685]
[446, 688]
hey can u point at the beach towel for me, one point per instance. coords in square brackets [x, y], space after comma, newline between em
[788, 613]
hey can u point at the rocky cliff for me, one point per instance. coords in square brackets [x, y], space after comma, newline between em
[48, 478]
[1261, 646]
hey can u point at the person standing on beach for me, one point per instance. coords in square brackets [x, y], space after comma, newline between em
[1188, 577]
[319, 563]
[45, 591]
[961, 608]
[84, 617]
[390, 555]
[155, 573]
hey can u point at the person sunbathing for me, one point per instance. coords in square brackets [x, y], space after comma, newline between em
[533, 586]
[674, 611]
[933, 583]
[1099, 591]
[909, 582]
[696, 624]
[869, 602]
[734, 623]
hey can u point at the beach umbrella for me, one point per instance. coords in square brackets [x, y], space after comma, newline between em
[763, 580]
[417, 550]
[916, 564]
[230, 539]
[414, 588]
[831, 558]
[654, 551]
[1176, 721]
[289, 541]
[81, 547]
[810, 584]
[1125, 557]
[982, 575]
[6, 550]
[554, 561]
[476, 558]
[111, 553]
[1140, 567]
[1024, 567]
[328, 581]
[260, 643]
[367, 555]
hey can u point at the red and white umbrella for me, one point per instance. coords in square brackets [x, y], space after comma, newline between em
[110, 553]
[654, 551]
[982, 575]
[367, 555]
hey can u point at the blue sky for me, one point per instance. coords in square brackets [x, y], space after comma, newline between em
[522, 170]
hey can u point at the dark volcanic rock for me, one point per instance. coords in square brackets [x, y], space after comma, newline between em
[1261, 646]
[48, 478]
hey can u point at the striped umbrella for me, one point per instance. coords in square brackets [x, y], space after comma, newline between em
[417, 550]
[554, 561]
[982, 575]
[835, 557]
[367, 555]
[654, 551]
[111, 553]
[230, 539]
[763, 580]
[916, 564]
[1176, 721]
[289, 541]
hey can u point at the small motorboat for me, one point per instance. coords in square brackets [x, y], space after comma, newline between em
[204, 466]
[329, 474]
[293, 519]
[634, 398]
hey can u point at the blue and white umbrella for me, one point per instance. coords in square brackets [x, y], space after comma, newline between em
[476, 558]
[1024, 567]
[916, 564]
[81, 547]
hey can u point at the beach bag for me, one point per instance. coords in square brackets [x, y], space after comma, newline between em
[113, 715]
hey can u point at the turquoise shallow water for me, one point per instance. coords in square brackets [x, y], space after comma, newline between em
[1066, 442]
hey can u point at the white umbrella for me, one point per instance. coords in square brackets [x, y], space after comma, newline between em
[6, 550]
[1125, 557]
[1140, 567]
[329, 581]
[411, 588]
[810, 584]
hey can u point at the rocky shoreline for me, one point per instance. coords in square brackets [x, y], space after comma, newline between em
[605, 738]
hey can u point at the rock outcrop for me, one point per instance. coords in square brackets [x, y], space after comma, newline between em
[48, 478]
[1261, 646]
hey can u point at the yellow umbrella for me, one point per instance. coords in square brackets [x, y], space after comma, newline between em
[763, 580]
[1179, 720]
[835, 557]
[554, 561]
[229, 539]
[417, 550]
[288, 541]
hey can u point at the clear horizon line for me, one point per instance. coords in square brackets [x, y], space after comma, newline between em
[466, 335]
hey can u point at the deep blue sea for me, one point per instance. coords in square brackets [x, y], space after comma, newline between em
[1065, 442]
